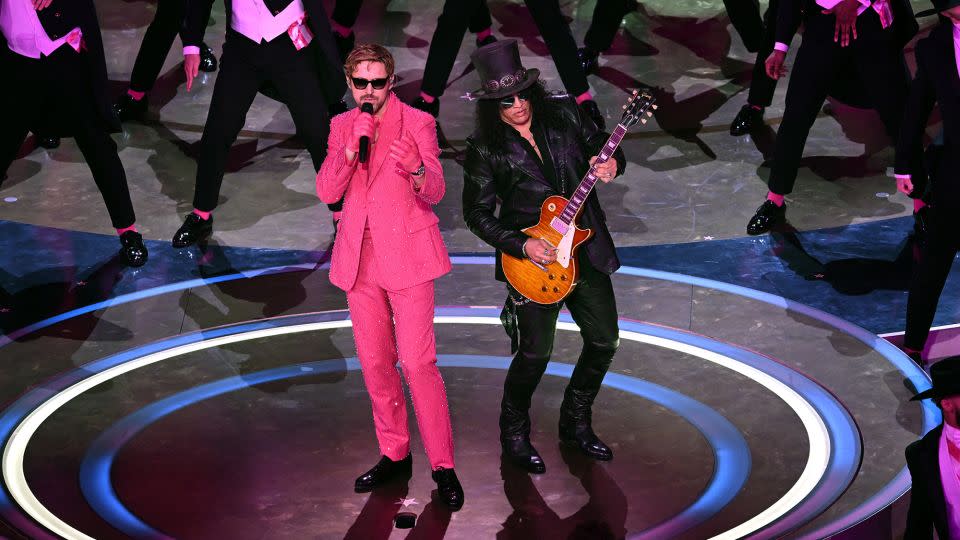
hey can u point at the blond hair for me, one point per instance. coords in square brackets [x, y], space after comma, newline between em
[368, 52]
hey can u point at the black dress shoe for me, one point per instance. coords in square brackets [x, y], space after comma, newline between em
[384, 471]
[433, 109]
[522, 454]
[345, 44]
[193, 230]
[47, 142]
[748, 119]
[592, 110]
[339, 107]
[127, 108]
[768, 216]
[588, 59]
[486, 41]
[449, 489]
[132, 249]
[208, 60]
[586, 440]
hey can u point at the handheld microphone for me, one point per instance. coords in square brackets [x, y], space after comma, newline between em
[365, 141]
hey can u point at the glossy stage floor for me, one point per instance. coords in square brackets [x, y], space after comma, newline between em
[215, 393]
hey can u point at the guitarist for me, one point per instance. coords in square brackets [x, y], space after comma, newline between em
[527, 147]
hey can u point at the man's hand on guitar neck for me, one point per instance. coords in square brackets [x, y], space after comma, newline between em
[540, 251]
[605, 171]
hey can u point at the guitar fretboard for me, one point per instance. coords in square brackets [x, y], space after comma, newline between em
[570, 212]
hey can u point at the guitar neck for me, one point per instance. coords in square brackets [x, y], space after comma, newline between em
[572, 210]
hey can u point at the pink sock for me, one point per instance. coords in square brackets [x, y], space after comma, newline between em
[918, 205]
[130, 228]
[755, 107]
[341, 29]
[427, 97]
[584, 97]
[203, 215]
[137, 96]
[484, 34]
[777, 199]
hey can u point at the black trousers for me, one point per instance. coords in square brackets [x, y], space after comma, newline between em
[745, 17]
[453, 23]
[156, 43]
[879, 62]
[593, 306]
[53, 95]
[345, 12]
[762, 86]
[930, 274]
[245, 66]
[607, 16]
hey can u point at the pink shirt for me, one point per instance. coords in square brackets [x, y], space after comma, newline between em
[950, 478]
[25, 35]
[882, 7]
[253, 19]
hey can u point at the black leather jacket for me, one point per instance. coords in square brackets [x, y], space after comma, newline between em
[512, 176]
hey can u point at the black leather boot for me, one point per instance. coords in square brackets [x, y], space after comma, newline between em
[518, 450]
[127, 108]
[384, 471]
[588, 59]
[433, 108]
[449, 490]
[592, 110]
[132, 249]
[768, 216]
[576, 417]
[48, 141]
[748, 119]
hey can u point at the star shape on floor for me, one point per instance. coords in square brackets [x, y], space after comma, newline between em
[407, 502]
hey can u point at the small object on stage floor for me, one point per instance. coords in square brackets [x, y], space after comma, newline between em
[405, 520]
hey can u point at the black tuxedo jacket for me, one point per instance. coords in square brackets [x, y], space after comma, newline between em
[936, 81]
[927, 507]
[327, 57]
[59, 18]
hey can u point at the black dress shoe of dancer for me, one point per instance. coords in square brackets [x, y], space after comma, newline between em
[193, 230]
[449, 490]
[592, 110]
[339, 107]
[748, 119]
[126, 108]
[208, 60]
[132, 249]
[345, 44]
[433, 109]
[586, 440]
[521, 453]
[768, 216]
[48, 142]
[384, 471]
[486, 41]
[589, 59]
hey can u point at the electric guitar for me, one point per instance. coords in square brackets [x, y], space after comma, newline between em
[551, 283]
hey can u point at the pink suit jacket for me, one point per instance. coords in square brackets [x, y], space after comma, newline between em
[406, 238]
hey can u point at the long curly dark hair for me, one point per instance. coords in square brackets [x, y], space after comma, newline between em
[493, 130]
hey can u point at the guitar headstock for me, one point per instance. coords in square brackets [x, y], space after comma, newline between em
[639, 107]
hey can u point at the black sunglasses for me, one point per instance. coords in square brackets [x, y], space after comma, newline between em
[508, 101]
[378, 84]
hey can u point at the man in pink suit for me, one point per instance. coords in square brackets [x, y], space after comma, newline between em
[388, 251]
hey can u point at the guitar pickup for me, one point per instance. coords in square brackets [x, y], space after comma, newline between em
[559, 226]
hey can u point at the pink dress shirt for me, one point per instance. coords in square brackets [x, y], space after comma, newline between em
[950, 478]
[882, 7]
[26, 36]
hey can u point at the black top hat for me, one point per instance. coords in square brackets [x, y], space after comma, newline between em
[500, 70]
[946, 380]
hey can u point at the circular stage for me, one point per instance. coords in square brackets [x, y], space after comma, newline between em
[232, 406]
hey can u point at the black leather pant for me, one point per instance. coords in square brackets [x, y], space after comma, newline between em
[593, 307]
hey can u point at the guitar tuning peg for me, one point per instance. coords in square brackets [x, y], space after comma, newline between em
[635, 92]
[649, 113]
[624, 107]
[654, 107]
[643, 120]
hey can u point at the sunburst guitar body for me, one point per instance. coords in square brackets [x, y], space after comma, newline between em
[551, 283]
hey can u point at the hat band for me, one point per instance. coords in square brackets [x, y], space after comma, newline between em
[504, 82]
